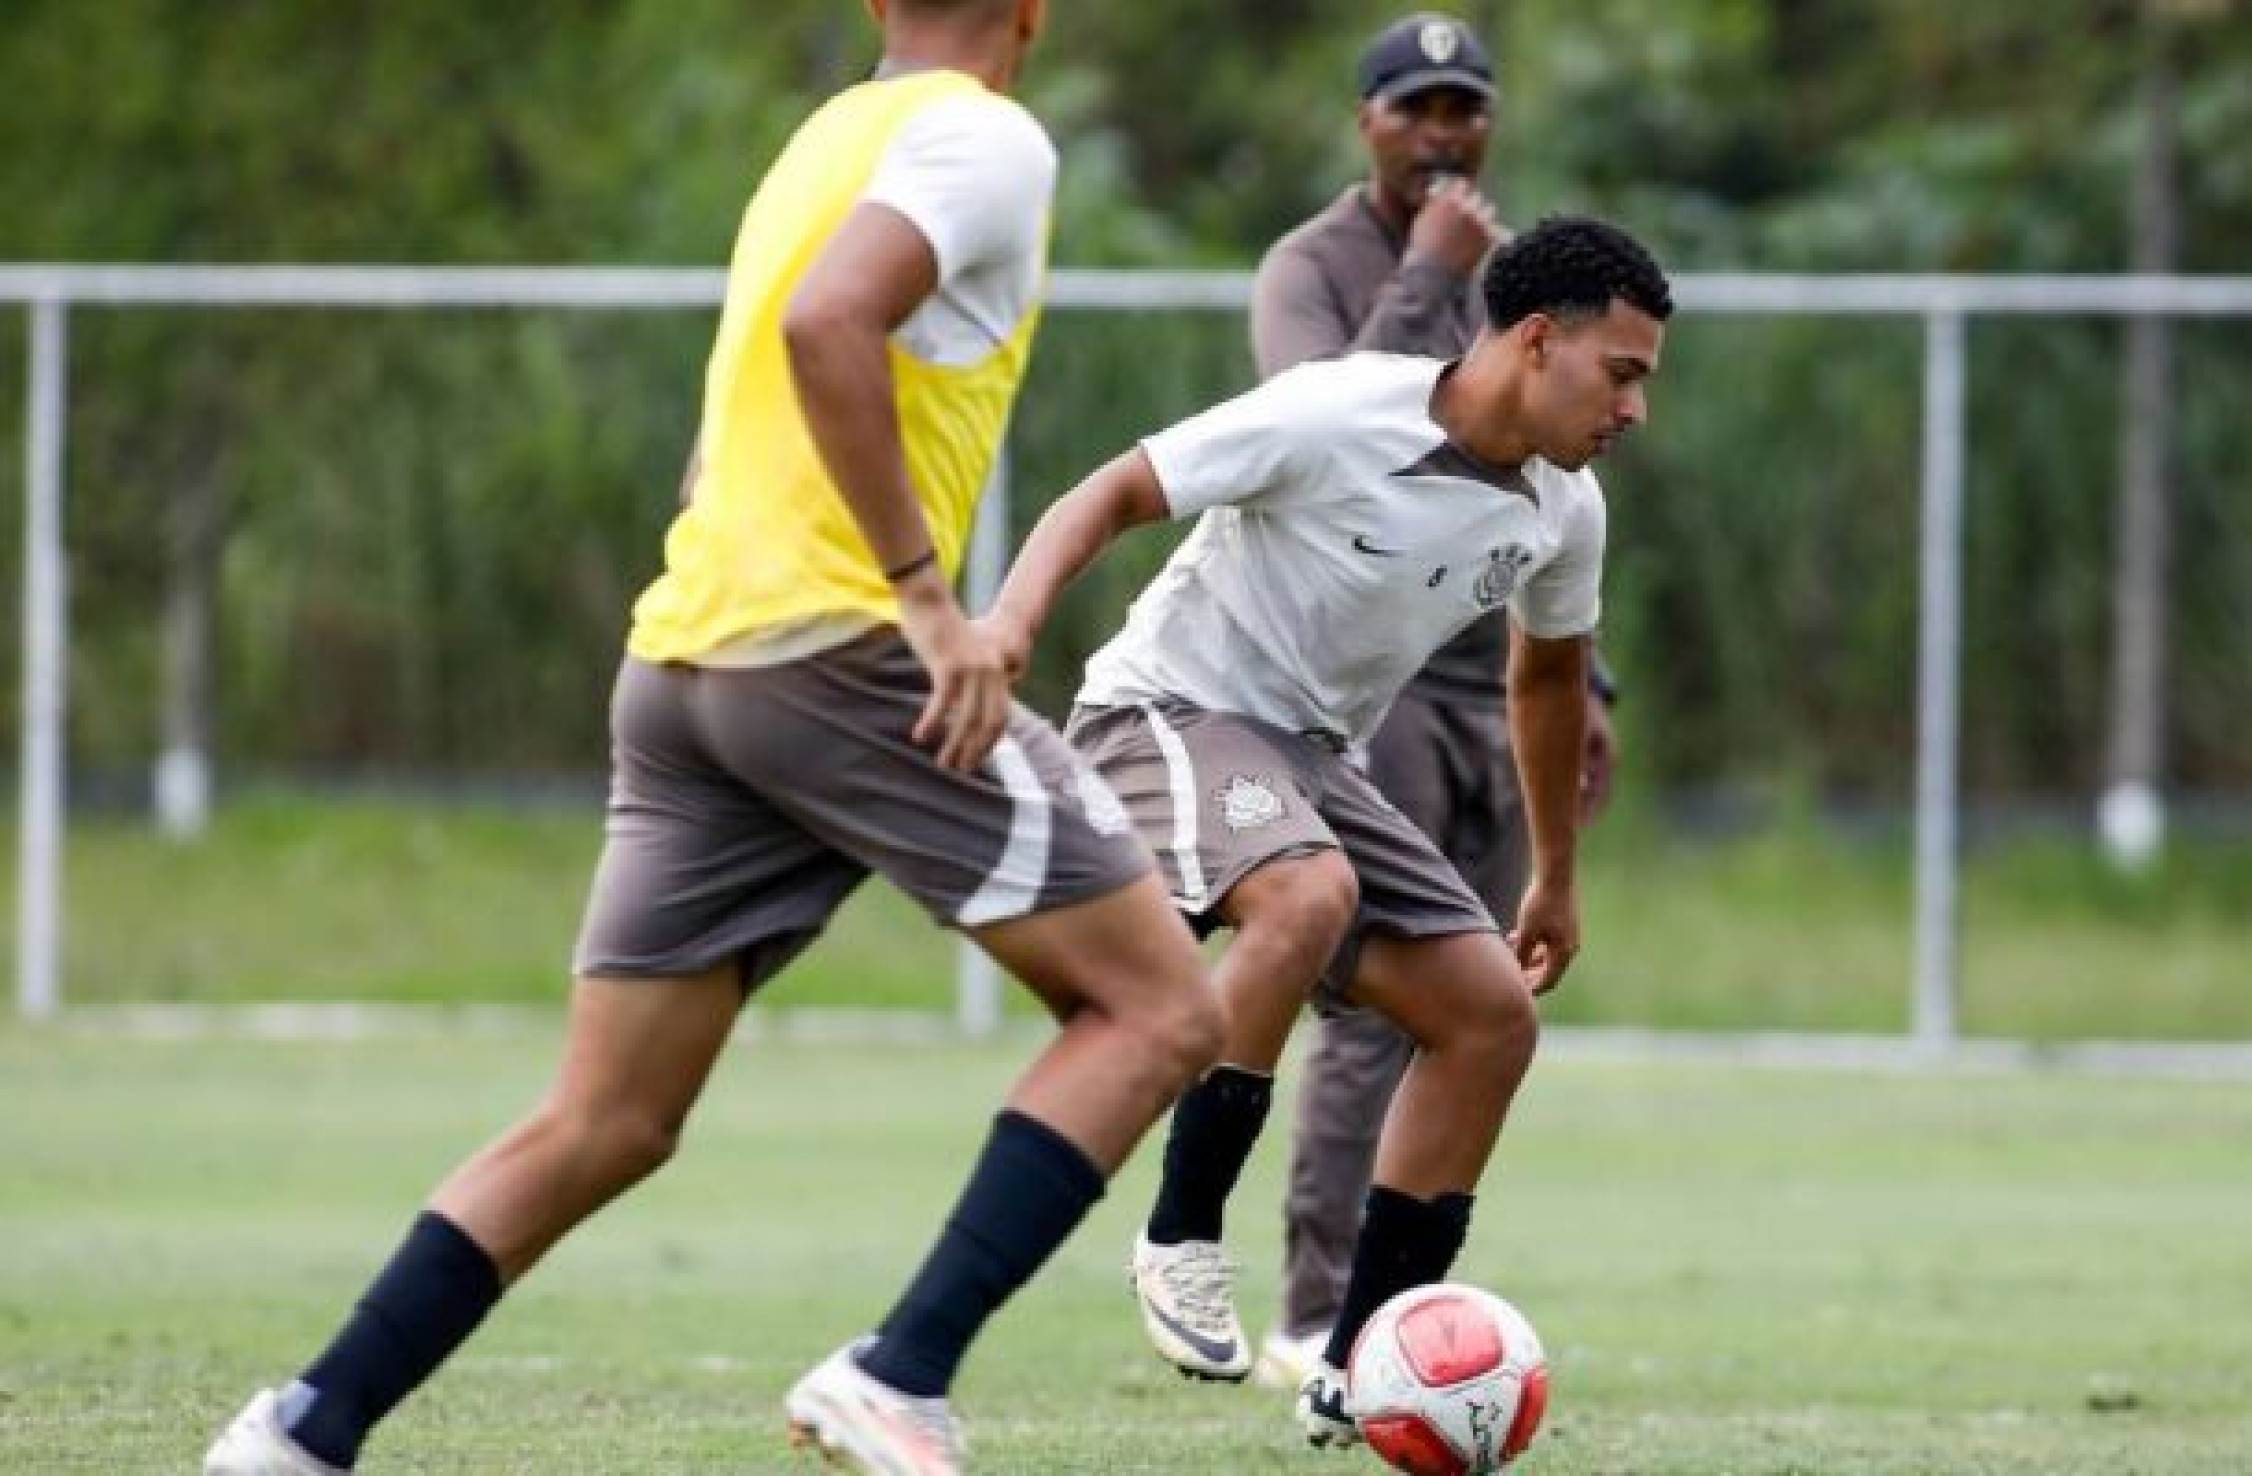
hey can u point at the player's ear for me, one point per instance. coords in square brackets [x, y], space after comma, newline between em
[1537, 333]
[879, 9]
[1032, 18]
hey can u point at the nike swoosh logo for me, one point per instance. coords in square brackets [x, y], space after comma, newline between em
[1360, 541]
[1210, 1348]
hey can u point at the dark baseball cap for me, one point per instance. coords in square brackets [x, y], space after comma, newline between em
[1423, 52]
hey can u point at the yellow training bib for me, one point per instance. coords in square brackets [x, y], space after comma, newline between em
[767, 539]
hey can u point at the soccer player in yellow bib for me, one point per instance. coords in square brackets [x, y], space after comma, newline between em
[803, 702]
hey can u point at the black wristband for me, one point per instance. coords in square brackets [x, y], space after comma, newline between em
[916, 565]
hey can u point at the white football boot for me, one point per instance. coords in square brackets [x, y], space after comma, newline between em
[1323, 1412]
[254, 1444]
[1186, 1293]
[1286, 1362]
[851, 1417]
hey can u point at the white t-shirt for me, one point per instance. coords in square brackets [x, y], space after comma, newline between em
[1343, 540]
[975, 174]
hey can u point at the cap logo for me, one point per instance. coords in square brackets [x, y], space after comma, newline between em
[1440, 42]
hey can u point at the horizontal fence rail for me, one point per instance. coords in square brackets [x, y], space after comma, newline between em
[692, 287]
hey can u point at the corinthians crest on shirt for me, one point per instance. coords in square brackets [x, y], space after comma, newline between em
[1248, 801]
[1498, 580]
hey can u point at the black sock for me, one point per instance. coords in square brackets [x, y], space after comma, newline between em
[1030, 1189]
[1214, 1126]
[438, 1287]
[1404, 1242]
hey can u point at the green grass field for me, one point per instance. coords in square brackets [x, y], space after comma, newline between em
[1736, 1272]
[1797, 929]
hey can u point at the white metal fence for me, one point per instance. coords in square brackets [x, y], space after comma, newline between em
[1942, 303]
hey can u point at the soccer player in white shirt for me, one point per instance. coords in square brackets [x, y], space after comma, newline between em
[1355, 514]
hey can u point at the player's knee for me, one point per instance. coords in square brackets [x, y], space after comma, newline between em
[1200, 1033]
[617, 1144]
[1181, 1033]
[1506, 1026]
[646, 1144]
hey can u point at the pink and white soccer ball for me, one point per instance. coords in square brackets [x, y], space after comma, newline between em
[1448, 1380]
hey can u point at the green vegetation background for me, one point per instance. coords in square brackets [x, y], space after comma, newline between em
[436, 522]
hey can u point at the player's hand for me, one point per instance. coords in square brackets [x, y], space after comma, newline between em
[1598, 760]
[1456, 225]
[1010, 637]
[1548, 934]
[969, 702]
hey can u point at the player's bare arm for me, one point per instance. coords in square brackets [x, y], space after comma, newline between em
[1548, 730]
[869, 279]
[1124, 493]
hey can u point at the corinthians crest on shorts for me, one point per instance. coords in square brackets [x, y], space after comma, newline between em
[1498, 580]
[1248, 801]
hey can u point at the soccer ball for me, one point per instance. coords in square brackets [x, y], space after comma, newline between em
[1447, 1380]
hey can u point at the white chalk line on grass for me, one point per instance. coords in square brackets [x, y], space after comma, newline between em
[1621, 1045]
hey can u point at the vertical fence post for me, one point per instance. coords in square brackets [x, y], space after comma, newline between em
[977, 979]
[1939, 681]
[39, 862]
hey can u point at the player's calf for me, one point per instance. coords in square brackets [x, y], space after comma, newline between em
[1462, 999]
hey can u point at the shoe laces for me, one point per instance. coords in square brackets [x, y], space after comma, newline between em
[1200, 1281]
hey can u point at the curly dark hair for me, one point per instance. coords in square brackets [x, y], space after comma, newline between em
[1573, 264]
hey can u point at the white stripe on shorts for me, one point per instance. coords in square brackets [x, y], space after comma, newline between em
[1181, 777]
[1013, 885]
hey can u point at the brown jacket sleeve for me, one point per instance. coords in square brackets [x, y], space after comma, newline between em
[1295, 316]
[1413, 311]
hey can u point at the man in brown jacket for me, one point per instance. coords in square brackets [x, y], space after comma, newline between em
[1391, 265]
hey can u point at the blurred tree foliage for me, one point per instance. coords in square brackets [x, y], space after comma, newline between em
[437, 522]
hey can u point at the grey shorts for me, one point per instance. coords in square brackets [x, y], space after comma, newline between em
[746, 805]
[1217, 794]
[1447, 765]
